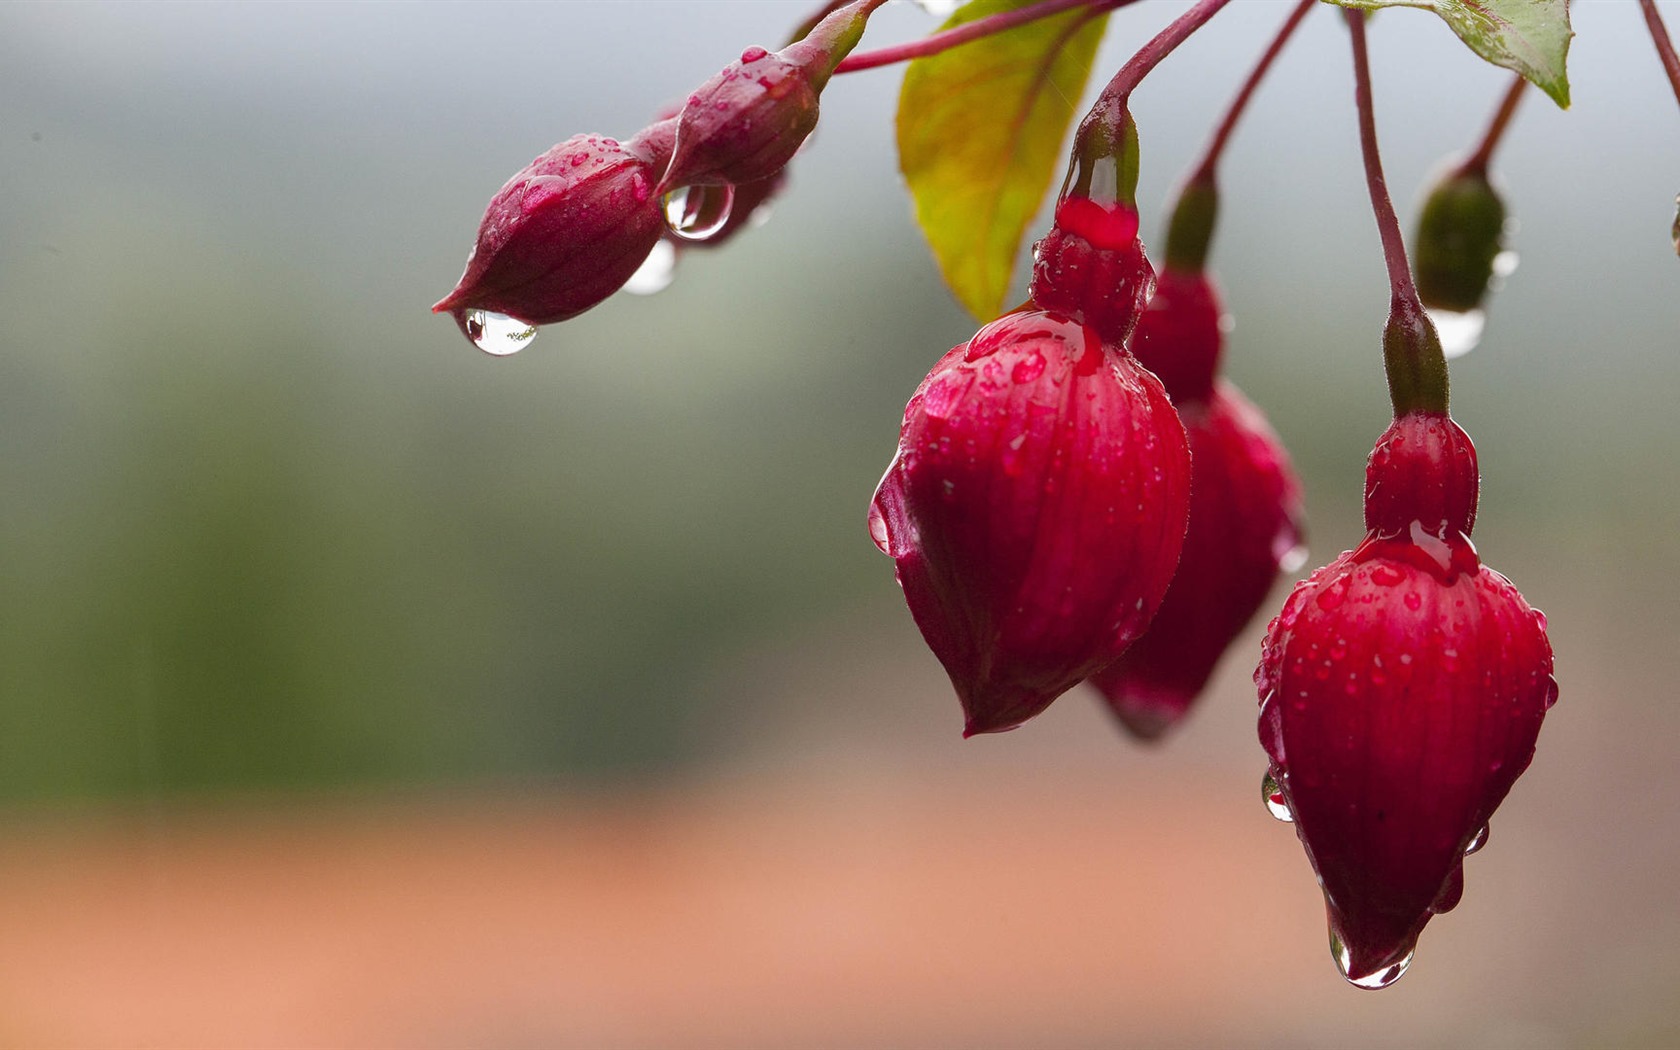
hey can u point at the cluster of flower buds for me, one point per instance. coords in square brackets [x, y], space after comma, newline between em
[1402, 690]
[578, 222]
[1035, 508]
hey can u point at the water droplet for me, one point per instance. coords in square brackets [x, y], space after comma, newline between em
[878, 528]
[752, 54]
[1272, 795]
[1504, 265]
[1330, 597]
[1477, 841]
[1028, 368]
[695, 213]
[1372, 981]
[656, 272]
[1387, 575]
[1459, 332]
[497, 334]
[1551, 691]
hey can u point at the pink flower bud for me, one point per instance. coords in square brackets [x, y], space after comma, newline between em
[744, 124]
[1402, 690]
[563, 234]
[1035, 510]
[1245, 513]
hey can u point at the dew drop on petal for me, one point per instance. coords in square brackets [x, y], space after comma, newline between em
[1371, 981]
[1459, 332]
[497, 334]
[656, 272]
[1477, 841]
[695, 213]
[1272, 795]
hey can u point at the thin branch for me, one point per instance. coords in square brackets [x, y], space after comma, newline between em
[1665, 46]
[946, 39]
[1478, 162]
[1412, 357]
[1204, 171]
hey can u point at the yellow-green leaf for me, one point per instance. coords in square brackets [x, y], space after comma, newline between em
[1530, 37]
[980, 131]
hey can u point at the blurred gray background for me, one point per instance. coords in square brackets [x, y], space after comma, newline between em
[271, 532]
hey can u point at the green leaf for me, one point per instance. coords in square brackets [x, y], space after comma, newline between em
[980, 131]
[1530, 37]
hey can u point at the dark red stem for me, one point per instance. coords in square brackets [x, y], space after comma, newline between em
[946, 39]
[1149, 55]
[1477, 164]
[1665, 46]
[1412, 357]
[1204, 171]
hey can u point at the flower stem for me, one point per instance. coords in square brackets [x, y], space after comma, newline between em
[1149, 55]
[1665, 46]
[1204, 171]
[1196, 209]
[1412, 357]
[946, 39]
[1477, 164]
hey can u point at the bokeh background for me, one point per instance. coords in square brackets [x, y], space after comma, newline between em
[357, 688]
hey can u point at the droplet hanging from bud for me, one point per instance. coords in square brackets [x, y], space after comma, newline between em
[497, 334]
[695, 213]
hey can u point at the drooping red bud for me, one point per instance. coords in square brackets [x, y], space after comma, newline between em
[1091, 265]
[1245, 524]
[1402, 690]
[561, 235]
[744, 124]
[1035, 511]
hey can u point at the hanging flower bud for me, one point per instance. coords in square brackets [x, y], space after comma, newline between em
[1402, 690]
[1461, 231]
[1091, 266]
[1035, 510]
[1245, 502]
[561, 235]
[744, 124]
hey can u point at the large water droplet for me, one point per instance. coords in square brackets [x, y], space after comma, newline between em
[1272, 795]
[878, 529]
[1459, 332]
[656, 272]
[1371, 981]
[1477, 841]
[695, 213]
[496, 333]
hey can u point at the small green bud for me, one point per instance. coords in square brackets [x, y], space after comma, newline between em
[1460, 233]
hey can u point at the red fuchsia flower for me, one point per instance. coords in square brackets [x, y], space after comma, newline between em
[1402, 689]
[1245, 513]
[744, 124]
[1035, 510]
[562, 234]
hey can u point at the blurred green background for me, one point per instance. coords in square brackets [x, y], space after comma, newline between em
[267, 526]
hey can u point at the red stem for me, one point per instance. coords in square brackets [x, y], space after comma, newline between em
[1665, 46]
[1149, 55]
[1204, 172]
[1412, 358]
[1478, 162]
[946, 39]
